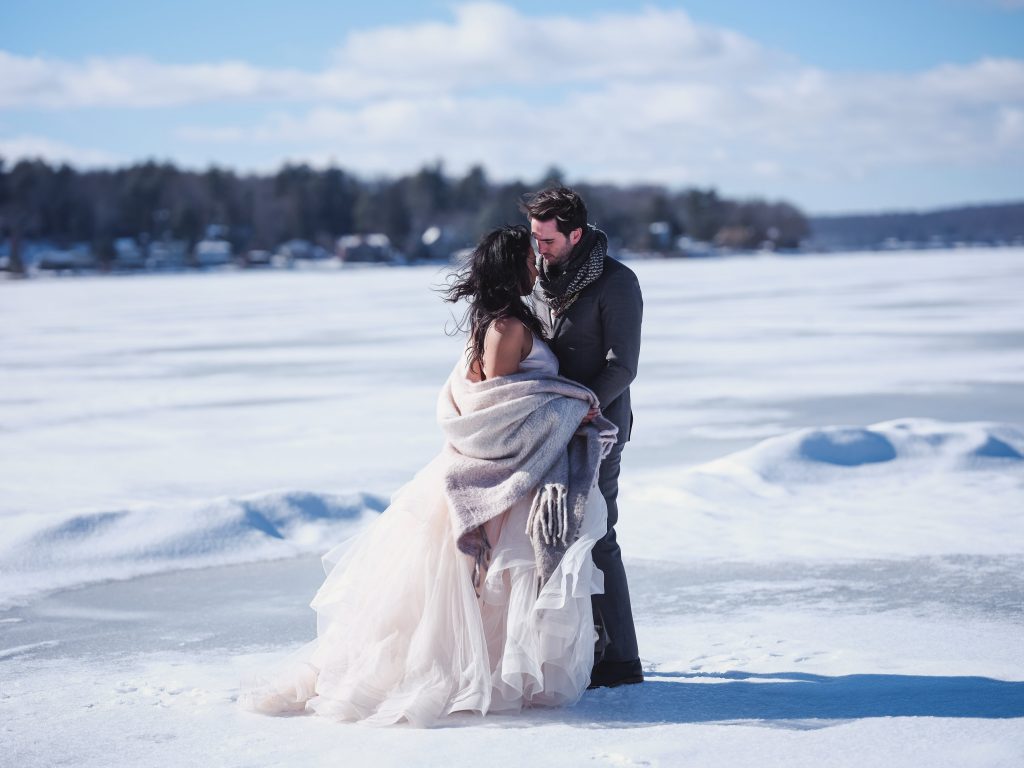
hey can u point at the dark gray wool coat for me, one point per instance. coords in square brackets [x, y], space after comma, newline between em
[597, 340]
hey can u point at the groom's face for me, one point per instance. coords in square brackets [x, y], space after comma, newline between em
[552, 245]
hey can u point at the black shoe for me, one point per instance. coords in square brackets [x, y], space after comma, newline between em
[609, 674]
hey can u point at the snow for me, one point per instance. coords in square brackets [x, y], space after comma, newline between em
[822, 511]
[906, 487]
[41, 553]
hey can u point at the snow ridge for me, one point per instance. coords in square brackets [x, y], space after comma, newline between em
[902, 488]
[45, 554]
[910, 487]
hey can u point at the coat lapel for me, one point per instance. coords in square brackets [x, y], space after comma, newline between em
[556, 324]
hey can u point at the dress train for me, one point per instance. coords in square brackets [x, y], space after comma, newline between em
[402, 635]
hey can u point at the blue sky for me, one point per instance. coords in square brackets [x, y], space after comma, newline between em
[835, 106]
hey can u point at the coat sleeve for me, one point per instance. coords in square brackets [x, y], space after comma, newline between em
[621, 309]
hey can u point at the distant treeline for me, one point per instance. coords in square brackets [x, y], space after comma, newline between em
[153, 201]
[994, 224]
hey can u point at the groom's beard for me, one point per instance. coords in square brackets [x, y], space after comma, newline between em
[557, 268]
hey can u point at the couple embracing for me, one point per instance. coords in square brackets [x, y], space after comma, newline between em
[493, 581]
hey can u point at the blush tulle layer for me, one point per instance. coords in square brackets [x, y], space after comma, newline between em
[403, 636]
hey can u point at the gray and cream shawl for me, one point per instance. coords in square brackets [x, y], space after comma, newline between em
[519, 434]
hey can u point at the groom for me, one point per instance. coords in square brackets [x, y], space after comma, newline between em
[591, 309]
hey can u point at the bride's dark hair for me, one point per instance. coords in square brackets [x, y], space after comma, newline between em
[494, 279]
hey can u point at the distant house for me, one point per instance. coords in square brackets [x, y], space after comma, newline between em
[167, 254]
[694, 248]
[366, 249]
[256, 257]
[74, 259]
[212, 253]
[659, 235]
[296, 248]
[437, 244]
[128, 254]
[736, 237]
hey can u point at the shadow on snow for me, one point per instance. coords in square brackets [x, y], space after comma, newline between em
[674, 697]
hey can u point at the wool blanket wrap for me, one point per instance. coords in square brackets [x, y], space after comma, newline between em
[519, 434]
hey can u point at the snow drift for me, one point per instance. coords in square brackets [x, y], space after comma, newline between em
[907, 487]
[41, 554]
[903, 488]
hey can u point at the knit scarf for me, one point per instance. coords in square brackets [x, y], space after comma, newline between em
[513, 435]
[561, 287]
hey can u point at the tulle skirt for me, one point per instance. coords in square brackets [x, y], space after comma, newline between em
[402, 635]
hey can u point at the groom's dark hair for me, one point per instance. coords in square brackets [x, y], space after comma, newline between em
[559, 203]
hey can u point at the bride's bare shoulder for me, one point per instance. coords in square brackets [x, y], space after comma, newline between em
[508, 326]
[504, 345]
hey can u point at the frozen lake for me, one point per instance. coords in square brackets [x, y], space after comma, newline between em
[822, 511]
[146, 389]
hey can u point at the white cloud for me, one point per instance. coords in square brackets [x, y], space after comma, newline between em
[134, 82]
[485, 45]
[33, 147]
[1010, 127]
[790, 122]
[649, 96]
[489, 43]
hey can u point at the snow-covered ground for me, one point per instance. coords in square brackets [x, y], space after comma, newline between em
[822, 512]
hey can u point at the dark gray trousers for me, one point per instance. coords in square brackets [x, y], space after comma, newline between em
[612, 609]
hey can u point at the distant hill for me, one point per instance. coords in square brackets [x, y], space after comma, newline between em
[995, 224]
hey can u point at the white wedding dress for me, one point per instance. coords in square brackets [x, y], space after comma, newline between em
[403, 636]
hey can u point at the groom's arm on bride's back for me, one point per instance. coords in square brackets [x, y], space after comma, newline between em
[621, 310]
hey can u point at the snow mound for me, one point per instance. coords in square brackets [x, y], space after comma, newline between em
[901, 488]
[816, 452]
[42, 554]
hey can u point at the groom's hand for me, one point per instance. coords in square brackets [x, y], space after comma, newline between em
[591, 415]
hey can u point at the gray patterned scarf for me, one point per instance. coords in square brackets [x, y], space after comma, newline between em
[561, 287]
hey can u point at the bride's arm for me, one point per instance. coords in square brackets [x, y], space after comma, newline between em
[504, 343]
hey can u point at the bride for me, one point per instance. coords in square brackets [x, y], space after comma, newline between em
[472, 591]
